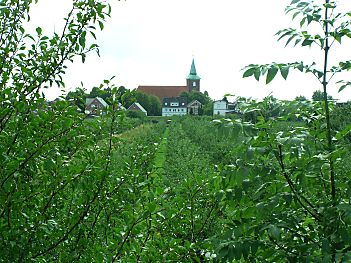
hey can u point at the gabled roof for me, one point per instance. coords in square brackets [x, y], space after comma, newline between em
[163, 91]
[137, 106]
[182, 103]
[88, 101]
[193, 102]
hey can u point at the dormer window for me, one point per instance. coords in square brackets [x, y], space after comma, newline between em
[165, 103]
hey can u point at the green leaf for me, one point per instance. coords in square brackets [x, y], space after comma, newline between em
[337, 37]
[101, 25]
[284, 71]
[257, 74]
[39, 30]
[151, 207]
[272, 72]
[82, 39]
[289, 40]
[254, 247]
[295, 15]
[309, 19]
[237, 251]
[300, 67]
[249, 72]
[307, 42]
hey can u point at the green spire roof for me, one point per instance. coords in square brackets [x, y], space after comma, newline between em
[192, 74]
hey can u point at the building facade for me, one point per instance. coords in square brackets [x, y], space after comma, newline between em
[95, 106]
[174, 106]
[220, 107]
[223, 107]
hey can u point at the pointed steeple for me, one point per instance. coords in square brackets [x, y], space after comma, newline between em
[193, 75]
[193, 80]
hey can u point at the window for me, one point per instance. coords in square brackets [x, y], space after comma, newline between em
[176, 104]
[194, 84]
[165, 103]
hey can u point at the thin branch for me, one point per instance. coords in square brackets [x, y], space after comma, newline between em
[315, 213]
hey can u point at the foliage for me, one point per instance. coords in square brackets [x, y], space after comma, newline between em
[306, 190]
[300, 98]
[203, 98]
[136, 114]
[319, 96]
[150, 103]
[78, 98]
[270, 186]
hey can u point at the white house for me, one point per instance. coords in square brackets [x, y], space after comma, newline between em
[220, 107]
[174, 106]
[223, 107]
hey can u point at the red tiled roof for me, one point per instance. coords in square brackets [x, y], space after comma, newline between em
[163, 91]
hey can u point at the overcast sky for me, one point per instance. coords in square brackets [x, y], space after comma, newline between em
[152, 42]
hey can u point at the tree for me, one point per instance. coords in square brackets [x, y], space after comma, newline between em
[150, 103]
[300, 98]
[38, 142]
[319, 96]
[326, 236]
[203, 98]
[100, 92]
[78, 97]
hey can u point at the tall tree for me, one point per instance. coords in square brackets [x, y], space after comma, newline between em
[38, 142]
[318, 95]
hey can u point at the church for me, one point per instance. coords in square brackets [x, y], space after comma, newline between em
[172, 103]
[192, 84]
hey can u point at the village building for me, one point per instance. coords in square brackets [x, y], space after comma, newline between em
[192, 84]
[137, 107]
[95, 106]
[174, 106]
[194, 107]
[223, 107]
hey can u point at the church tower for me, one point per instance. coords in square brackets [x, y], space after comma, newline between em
[193, 80]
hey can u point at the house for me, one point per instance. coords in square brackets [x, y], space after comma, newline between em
[194, 107]
[137, 107]
[192, 84]
[174, 106]
[223, 107]
[95, 106]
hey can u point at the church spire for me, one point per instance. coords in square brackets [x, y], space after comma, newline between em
[193, 75]
[193, 80]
